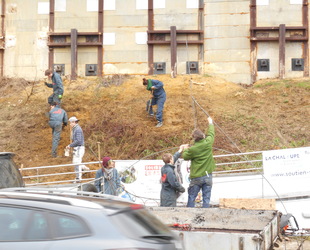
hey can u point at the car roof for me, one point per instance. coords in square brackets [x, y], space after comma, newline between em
[7, 153]
[70, 198]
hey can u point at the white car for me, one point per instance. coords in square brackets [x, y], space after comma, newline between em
[33, 220]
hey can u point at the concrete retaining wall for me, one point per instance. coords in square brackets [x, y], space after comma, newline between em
[225, 52]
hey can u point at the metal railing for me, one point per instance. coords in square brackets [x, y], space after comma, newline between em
[228, 163]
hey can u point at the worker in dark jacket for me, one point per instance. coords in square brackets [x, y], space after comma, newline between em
[58, 89]
[158, 98]
[170, 186]
[57, 118]
[202, 165]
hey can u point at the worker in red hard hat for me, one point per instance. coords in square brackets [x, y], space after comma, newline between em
[107, 178]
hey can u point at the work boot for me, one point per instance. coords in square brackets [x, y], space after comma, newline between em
[159, 124]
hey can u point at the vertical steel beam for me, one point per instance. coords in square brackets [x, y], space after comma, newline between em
[305, 49]
[3, 37]
[253, 49]
[150, 37]
[173, 50]
[282, 51]
[51, 29]
[201, 27]
[73, 54]
[100, 30]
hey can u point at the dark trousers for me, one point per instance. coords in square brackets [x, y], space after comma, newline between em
[56, 132]
[53, 98]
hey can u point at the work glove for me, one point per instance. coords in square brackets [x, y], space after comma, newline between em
[210, 120]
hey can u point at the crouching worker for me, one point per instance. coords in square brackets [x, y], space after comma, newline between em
[170, 187]
[107, 178]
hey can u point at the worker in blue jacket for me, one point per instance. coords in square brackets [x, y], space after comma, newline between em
[107, 178]
[58, 89]
[57, 118]
[158, 98]
[170, 186]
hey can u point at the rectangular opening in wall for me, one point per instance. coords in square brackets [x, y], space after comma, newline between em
[60, 69]
[159, 68]
[263, 65]
[297, 64]
[91, 70]
[192, 68]
[159, 37]
[58, 39]
[92, 39]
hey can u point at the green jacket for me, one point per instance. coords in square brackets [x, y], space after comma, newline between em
[201, 155]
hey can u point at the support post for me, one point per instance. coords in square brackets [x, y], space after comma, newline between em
[100, 30]
[201, 27]
[305, 48]
[282, 51]
[51, 29]
[150, 37]
[173, 50]
[253, 52]
[73, 54]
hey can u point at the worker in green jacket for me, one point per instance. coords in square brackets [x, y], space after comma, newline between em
[202, 165]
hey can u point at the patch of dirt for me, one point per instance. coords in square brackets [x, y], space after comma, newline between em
[272, 114]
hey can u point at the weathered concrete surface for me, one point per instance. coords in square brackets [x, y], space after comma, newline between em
[225, 52]
[215, 218]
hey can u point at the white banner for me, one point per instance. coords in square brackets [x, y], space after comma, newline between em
[141, 180]
[287, 163]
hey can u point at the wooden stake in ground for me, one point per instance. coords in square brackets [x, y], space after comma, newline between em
[99, 157]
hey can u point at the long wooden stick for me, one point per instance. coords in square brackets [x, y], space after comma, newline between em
[99, 157]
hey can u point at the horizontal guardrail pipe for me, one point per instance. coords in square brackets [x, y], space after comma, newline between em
[63, 165]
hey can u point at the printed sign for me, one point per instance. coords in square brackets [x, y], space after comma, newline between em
[141, 180]
[287, 163]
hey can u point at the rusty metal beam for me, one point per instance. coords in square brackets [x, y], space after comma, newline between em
[253, 49]
[282, 51]
[51, 29]
[73, 54]
[198, 32]
[173, 50]
[100, 30]
[150, 47]
[201, 28]
[3, 6]
[305, 49]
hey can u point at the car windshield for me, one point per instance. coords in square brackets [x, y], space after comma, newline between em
[140, 223]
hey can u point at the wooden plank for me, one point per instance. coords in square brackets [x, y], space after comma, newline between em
[240, 203]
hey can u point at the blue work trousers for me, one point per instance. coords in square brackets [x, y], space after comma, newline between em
[56, 132]
[54, 98]
[203, 183]
[159, 101]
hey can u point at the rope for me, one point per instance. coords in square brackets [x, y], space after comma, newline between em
[246, 158]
